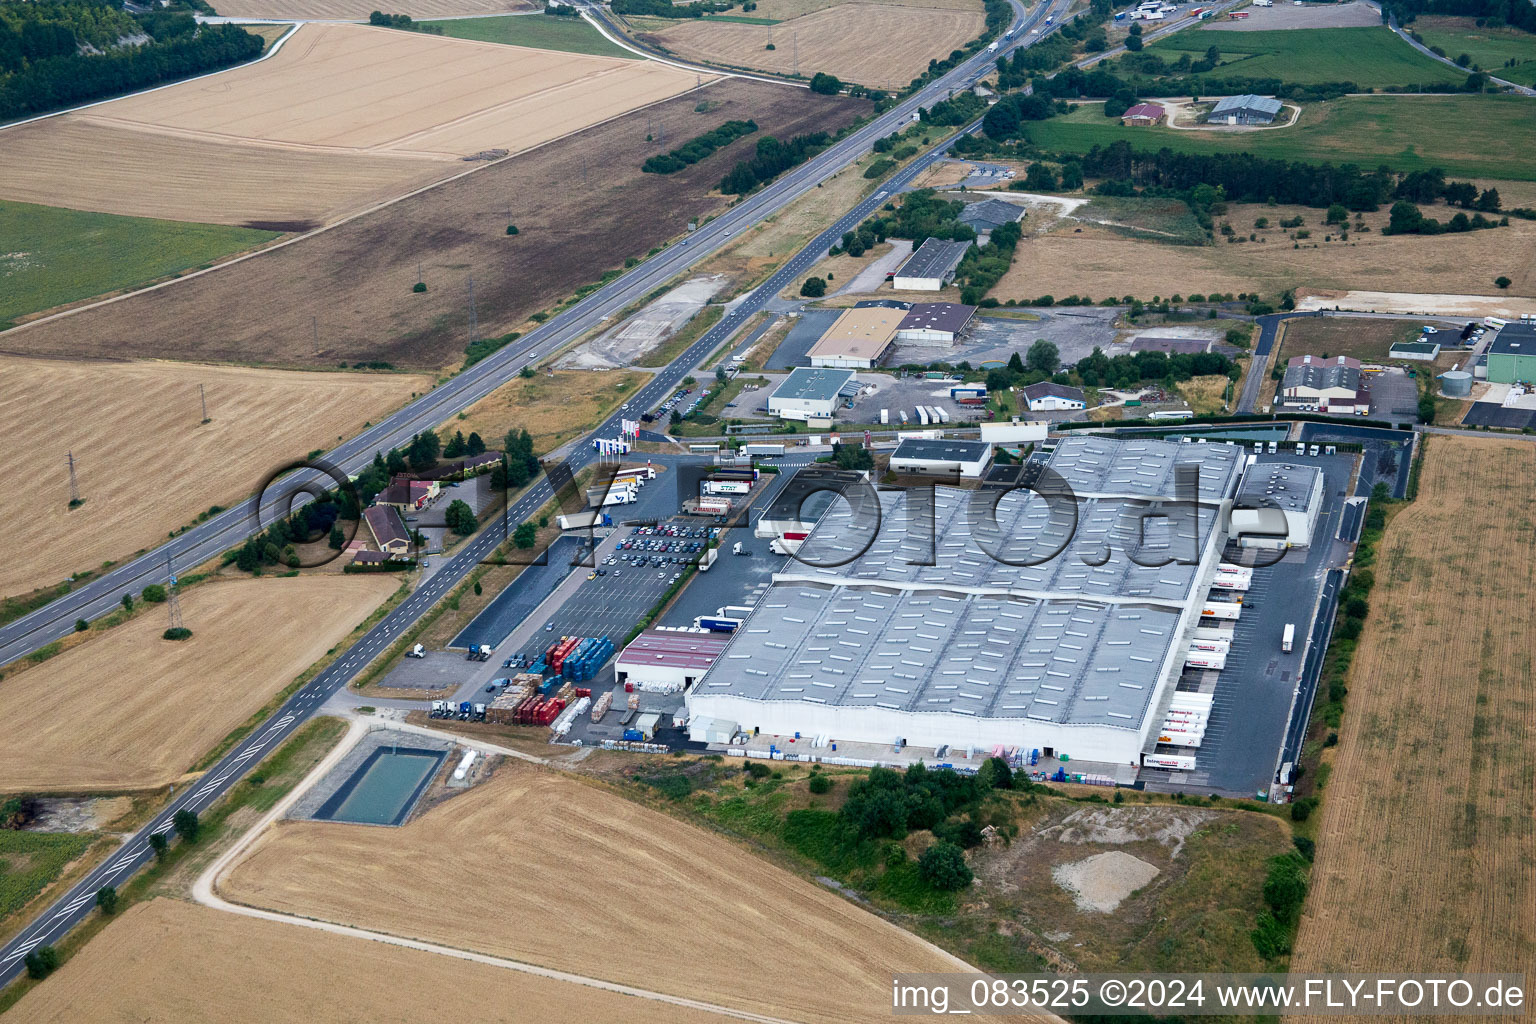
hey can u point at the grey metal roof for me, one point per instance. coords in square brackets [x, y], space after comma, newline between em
[1048, 389]
[909, 611]
[1319, 374]
[937, 316]
[1283, 485]
[934, 258]
[813, 383]
[1514, 340]
[941, 451]
[989, 214]
[1425, 347]
[1235, 104]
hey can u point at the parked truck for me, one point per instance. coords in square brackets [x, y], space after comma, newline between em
[1288, 641]
[417, 652]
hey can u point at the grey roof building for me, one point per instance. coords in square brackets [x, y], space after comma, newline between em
[922, 456]
[1046, 396]
[934, 321]
[809, 392]
[932, 266]
[988, 621]
[989, 214]
[1246, 109]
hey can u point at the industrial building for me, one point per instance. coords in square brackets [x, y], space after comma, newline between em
[1315, 384]
[1143, 115]
[986, 216]
[1247, 109]
[1277, 506]
[931, 267]
[858, 339]
[668, 659]
[1048, 397]
[1419, 351]
[1069, 637]
[922, 457]
[935, 322]
[810, 393]
[1512, 356]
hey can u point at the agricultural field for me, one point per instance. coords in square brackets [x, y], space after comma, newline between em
[355, 282]
[1364, 339]
[138, 970]
[603, 861]
[1101, 261]
[51, 256]
[30, 861]
[879, 45]
[1435, 760]
[541, 31]
[373, 90]
[1372, 58]
[129, 710]
[57, 162]
[145, 430]
[1467, 136]
[1490, 48]
[358, 10]
[552, 408]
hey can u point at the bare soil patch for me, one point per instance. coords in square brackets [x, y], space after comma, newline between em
[129, 710]
[705, 938]
[552, 407]
[1436, 756]
[573, 200]
[138, 970]
[879, 45]
[145, 462]
[1284, 15]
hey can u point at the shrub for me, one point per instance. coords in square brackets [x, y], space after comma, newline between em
[813, 288]
[154, 593]
[1301, 810]
[1501, 281]
[820, 784]
[81, 625]
[943, 866]
[186, 825]
[827, 85]
[106, 900]
[511, 230]
[177, 633]
[41, 962]
[757, 769]
[419, 287]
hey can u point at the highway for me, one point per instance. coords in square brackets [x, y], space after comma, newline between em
[230, 528]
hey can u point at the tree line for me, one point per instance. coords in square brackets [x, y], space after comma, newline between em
[698, 148]
[1490, 13]
[772, 159]
[666, 9]
[49, 58]
[403, 21]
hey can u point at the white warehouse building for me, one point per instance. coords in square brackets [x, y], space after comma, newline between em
[1073, 655]
[1277, 506]
[811, 393]
[925, 457]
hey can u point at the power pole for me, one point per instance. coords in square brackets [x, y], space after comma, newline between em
[474, 324]
[172, 601]
[794, 42]
[314, 326]
[74, 483]
[203, 395]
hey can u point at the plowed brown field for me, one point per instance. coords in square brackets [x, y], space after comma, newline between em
[167, 960]
[145, 461]
[565, 874]
[879, 45]
[130, 710]
[575, 201]
[1428, 835]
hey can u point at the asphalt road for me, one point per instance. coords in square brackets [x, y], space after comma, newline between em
[229, 528]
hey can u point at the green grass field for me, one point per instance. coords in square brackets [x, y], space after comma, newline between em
[29, 861]
[542, 31]
[1370, 57]
[1489, 48]
[50, 256]
[1468, 136]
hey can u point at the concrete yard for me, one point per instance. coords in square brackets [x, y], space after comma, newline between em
[1075, 334]
[791, 352]
[628, 341]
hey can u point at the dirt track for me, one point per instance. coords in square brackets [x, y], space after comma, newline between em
[129, 710]
[1427, 840]
[167, 960]
[575, 202]
[564, 874]
[135, 428]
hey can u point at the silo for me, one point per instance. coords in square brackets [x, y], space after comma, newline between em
[1456, 384]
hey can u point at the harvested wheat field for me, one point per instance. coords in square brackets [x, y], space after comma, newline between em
[628, 894]
[1099, 262]
[58, 162]
[880, 45]
[552, 408]
[354, 282]
[156, 961]
[145, 462]
[1430, 816]
[142, 709]
[358, 10]
[357, 88]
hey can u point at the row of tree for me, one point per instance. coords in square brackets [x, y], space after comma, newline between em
[667, 9]
[698, 148]
[772, 159]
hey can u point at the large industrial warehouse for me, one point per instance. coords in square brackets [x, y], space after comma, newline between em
[1071, 642]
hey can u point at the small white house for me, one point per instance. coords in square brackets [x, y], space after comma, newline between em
[1048, 397]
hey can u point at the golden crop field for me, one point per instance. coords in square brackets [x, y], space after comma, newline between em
[130, 710]
[879, 45]
[565, 874]
[145, 462]
[1099, 262]
[338, 10]
[169, 960]
[552, 408]
[784, 10]
[58, 162]
[355, 88]
[1428, 832]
